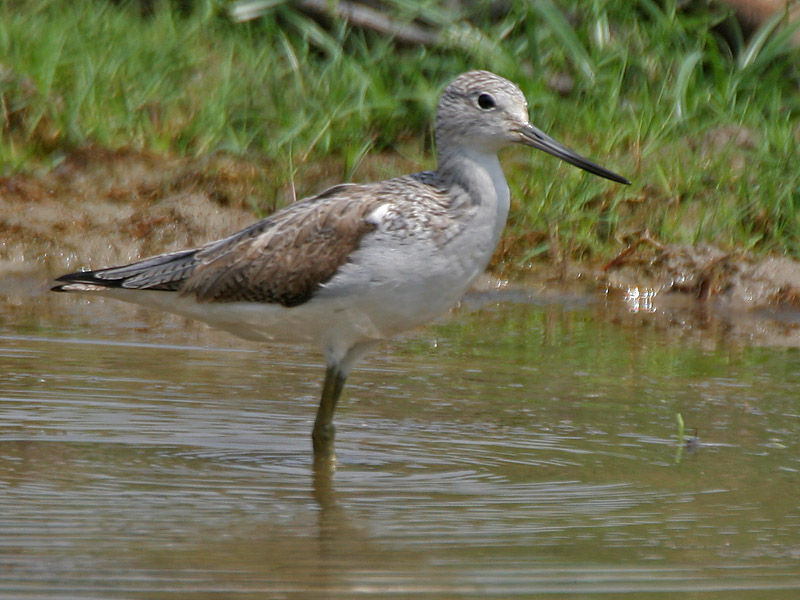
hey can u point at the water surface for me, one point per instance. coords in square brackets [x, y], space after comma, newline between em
[519, 447]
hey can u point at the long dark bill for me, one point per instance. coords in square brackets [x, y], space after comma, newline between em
[531, 136]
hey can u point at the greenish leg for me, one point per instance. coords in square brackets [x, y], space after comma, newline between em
[323, 433]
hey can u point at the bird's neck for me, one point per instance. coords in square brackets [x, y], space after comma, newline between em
[479, 173]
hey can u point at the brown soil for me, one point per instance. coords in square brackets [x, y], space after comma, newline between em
[699, 293]
[100, 207]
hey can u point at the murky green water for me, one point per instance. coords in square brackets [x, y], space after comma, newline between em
[518, 448]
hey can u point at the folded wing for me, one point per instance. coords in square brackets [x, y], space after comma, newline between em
[282, 259]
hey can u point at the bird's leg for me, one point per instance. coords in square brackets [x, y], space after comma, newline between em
[323, 432]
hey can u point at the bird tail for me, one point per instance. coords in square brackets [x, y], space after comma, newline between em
[165, 272]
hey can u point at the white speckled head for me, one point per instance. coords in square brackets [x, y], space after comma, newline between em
[480, 110]
[483, 112]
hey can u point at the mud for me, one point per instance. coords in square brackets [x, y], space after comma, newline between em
[698, 293]
[705, 273]
[99, 207]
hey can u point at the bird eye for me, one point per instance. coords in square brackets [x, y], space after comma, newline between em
[486, 102]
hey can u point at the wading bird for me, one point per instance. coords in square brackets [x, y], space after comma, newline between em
[357, 263]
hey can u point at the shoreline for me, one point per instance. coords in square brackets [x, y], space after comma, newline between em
[102, 207]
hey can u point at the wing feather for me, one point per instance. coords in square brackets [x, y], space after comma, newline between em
[300, 248]
[165, 272]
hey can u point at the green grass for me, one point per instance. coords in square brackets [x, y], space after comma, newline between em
[707, 132]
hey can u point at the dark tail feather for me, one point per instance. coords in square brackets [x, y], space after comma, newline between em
[165, 272]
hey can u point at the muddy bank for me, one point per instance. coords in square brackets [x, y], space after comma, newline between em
[101, 207]
[650, 272]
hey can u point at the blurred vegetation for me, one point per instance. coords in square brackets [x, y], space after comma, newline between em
[702, 119]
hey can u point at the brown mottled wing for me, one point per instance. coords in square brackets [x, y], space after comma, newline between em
[287, 256]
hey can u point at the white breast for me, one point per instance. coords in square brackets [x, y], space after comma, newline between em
[399, 279]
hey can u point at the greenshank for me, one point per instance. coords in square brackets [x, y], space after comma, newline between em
[356, 263]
